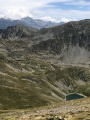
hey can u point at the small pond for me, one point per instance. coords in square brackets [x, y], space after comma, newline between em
[74, 96]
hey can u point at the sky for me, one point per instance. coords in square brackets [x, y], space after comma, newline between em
[48, 10]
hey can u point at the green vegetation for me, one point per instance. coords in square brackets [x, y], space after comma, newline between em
[32, 82]
[34, 69]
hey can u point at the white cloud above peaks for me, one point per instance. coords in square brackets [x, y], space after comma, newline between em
[47, 18]
[65, 20]
[14, 13]
[48, 10]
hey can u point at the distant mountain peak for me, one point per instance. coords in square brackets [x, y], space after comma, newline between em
[28, 22]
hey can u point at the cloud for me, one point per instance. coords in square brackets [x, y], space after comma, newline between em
[65, 20]
[60, 13]
[15, 13]
[30, 4]
[47, 18]
[80, 3]
[16, 9]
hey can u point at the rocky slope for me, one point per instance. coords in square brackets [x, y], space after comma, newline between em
[15, 32]
[30, 71]
[70, 42]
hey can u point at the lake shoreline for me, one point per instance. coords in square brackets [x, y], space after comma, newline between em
[79, 95]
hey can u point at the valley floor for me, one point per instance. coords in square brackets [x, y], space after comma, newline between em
[68, 110]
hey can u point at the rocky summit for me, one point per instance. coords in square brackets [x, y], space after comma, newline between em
[41, 67]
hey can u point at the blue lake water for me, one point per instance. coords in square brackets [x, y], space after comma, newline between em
[74, 96]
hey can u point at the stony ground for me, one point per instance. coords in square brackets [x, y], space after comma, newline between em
[69, 110]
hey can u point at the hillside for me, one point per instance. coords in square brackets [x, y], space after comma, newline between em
[40, 67]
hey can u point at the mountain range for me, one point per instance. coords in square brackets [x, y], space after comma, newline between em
[41, 67]
[28, 22]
